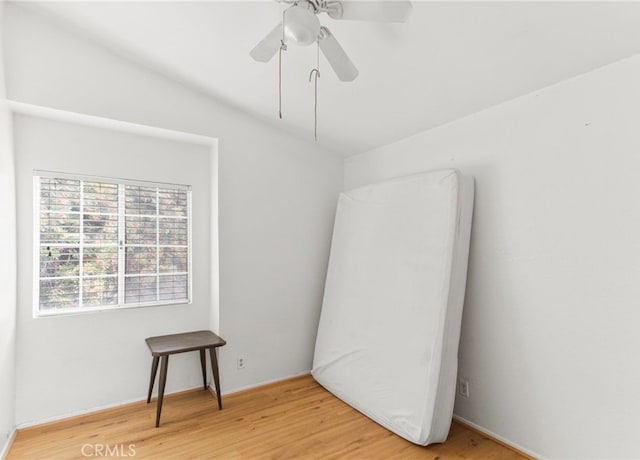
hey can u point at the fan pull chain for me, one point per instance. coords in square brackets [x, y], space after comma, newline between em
[283, 47]
[280, 82]
[315, 102]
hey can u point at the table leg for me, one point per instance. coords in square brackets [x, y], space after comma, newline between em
[203, 364]
[154, 371]
[163, 380]
[216, 375]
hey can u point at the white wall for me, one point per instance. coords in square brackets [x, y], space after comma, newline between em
[276, 194]
[7, 265]
[550, 331]
[97, 359]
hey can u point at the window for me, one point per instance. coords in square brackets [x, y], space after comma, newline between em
[109, 243]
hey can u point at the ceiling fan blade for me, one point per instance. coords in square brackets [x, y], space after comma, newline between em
[340, 62]
[382, 11]
[269, 46]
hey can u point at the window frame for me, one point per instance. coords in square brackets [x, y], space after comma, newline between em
[121, 244]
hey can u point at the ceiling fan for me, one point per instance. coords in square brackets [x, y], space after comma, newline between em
[300, 25]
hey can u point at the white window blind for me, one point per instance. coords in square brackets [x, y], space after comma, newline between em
[108, 243]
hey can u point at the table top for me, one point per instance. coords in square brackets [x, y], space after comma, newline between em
[179, 343]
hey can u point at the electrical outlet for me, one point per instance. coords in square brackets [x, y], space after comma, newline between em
[240, 362]
[463, 387]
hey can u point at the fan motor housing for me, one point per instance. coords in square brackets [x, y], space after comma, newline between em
[301, 25]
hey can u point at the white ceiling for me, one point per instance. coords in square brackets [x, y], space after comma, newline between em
[449, 60]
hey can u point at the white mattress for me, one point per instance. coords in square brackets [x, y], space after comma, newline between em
[389, 330]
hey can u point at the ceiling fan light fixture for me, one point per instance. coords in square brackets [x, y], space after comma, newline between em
[301, 25]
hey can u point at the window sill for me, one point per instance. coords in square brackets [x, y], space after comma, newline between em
[88, 310]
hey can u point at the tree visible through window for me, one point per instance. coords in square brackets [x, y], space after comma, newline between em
[105, 243]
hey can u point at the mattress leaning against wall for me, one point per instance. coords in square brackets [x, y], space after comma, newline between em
[389, 329]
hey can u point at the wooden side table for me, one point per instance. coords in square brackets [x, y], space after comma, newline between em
[165, 345]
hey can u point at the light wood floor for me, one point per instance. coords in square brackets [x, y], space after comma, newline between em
[294, 419]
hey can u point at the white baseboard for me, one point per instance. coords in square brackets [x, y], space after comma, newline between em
[66, 415]
[260, 384]
[7, 446]
[497, 437]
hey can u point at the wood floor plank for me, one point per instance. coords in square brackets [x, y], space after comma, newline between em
[293, 419]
